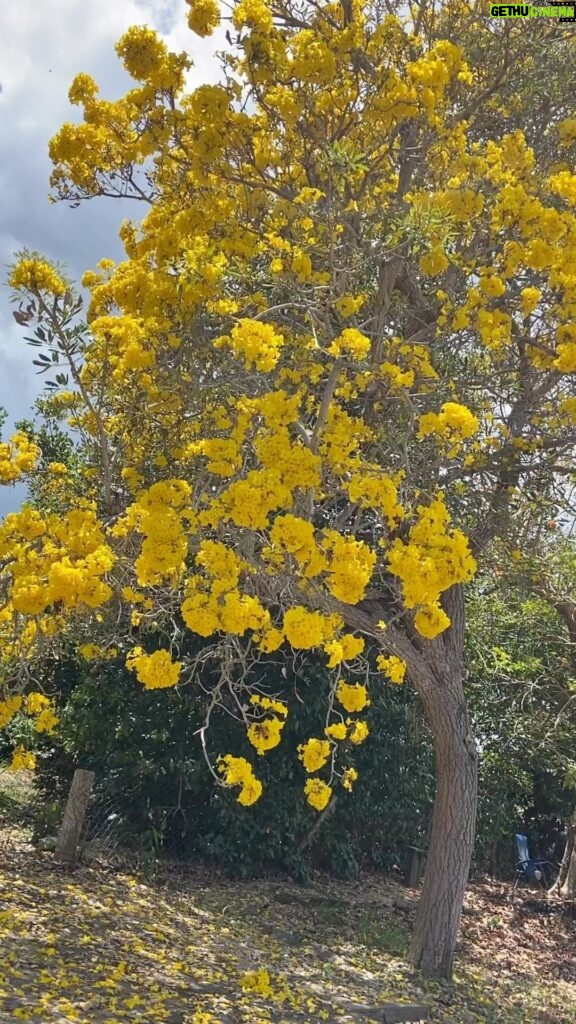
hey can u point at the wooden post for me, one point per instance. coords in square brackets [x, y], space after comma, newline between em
[414, 863]
[74, 814]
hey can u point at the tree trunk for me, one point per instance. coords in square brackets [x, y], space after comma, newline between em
[436, 669]
[454, 818]
[565, 884]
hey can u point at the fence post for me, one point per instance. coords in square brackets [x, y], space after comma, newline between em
[74, 814]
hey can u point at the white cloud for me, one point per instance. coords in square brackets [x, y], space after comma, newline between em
[42, 47]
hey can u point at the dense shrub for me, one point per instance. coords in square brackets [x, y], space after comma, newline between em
[146, 751]
[151, 772]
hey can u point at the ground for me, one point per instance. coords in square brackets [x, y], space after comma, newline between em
[100, 945]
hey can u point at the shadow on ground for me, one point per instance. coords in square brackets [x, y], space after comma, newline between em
[96, 946]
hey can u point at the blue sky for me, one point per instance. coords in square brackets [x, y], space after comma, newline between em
[42, 47]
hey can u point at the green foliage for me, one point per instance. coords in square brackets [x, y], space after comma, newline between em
[145, 749]
[16, 800]
[519, 681]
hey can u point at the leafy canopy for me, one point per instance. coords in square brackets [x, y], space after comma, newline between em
[339, 349]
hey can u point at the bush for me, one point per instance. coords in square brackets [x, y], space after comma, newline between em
[146, 752]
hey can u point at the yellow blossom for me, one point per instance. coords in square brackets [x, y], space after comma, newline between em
[318, 793]
[349, 777]
[394, 667]
[352, 696]
[314, 754]
[358, 732]
[203, 16]
[36, 275]
[22, 759]
[238, 772]
[336, 731]
[266, 734]
[155, 671]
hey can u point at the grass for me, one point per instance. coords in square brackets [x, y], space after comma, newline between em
[16, 803]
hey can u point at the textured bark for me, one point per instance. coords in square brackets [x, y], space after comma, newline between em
[568, 887]
[454, 818]
[565, 884]
[74, 814]
[436, 669]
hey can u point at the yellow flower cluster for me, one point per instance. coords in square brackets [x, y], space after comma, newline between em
[398, 378]
[141, 52]
[266, 734]
[317, 793]
[9, 707]
[336, 731]
[433, 560]
[41, 708]
[259, 343]
[203, 16]
[348, 305]
[377, 491]
[258, 982]
[18, 456]
[82, 90]
[565, 360]
[304, 629]
[342, 437]
[346, 648]
[314, 754]
[250, 501]
[358, 731]
[350, 567]
[312, 58]
[431, 620]
[433, 263]
[352, 696]
[351, 342]
[155, 671]
[269, 704]
[215, 602]
[67, 566]
[291, 464]
[22, 760]
[454, 423]
[238, 772]
[349, 777]
[36, 276]
[222, 564]
[393, 667]
[530, 298]
[160, 515]
[147, 59]
[123, 343]
[93, 652]
[223, 454]
[492, 285]
[296, 537]
[564, 185]
[354, 730]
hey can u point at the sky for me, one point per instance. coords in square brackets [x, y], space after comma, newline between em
[42, 47]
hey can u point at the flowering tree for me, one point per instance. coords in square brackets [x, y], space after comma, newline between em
[340, 347]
